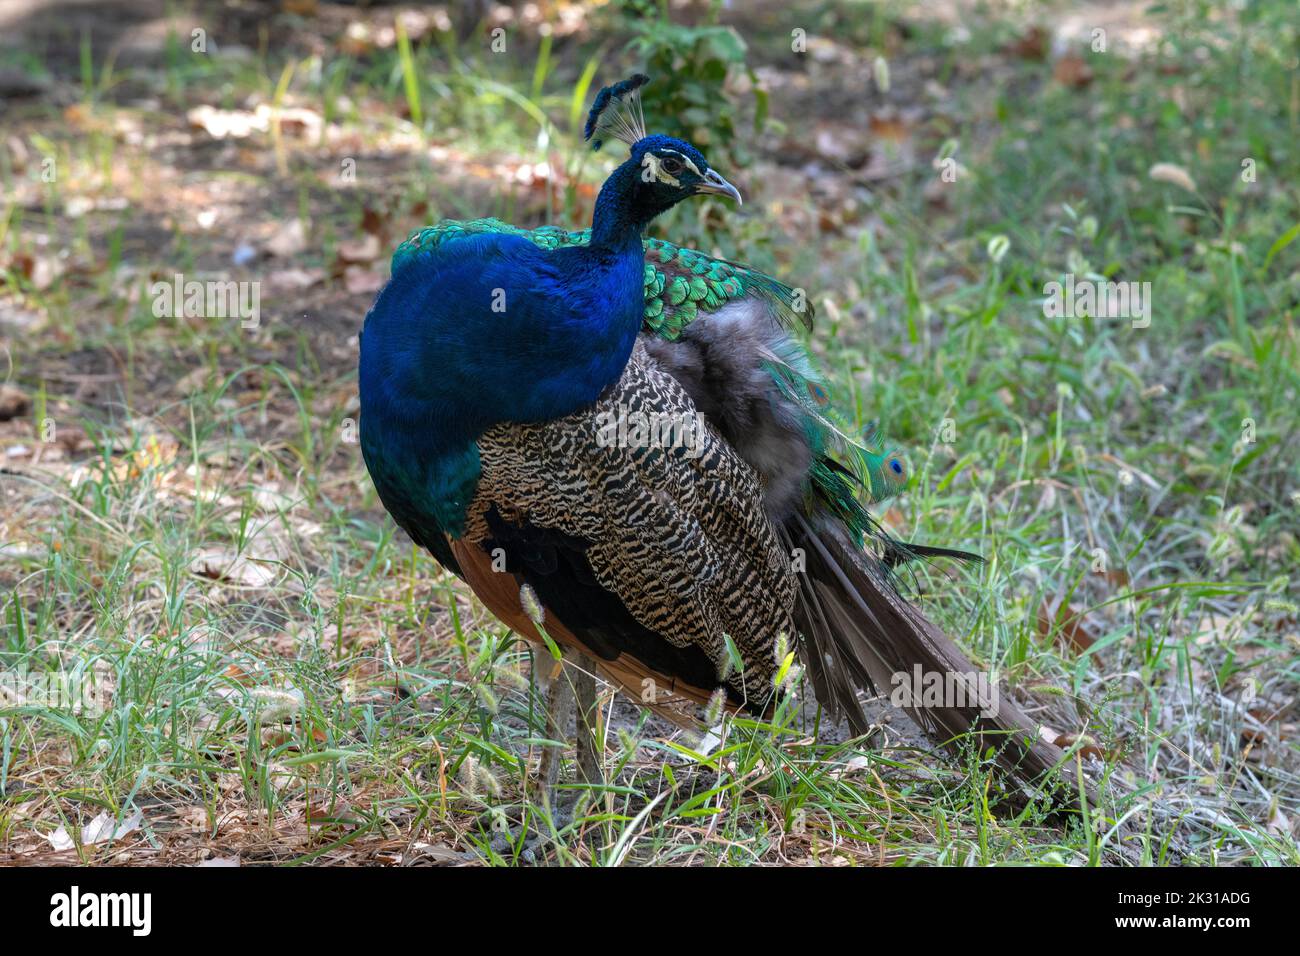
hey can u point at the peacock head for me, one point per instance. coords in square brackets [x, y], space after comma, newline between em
[673, 169]
[662, 170]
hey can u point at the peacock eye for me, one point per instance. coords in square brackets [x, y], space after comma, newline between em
[896, 466]
[672, 166]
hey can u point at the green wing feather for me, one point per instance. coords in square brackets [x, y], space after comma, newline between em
[679, 282]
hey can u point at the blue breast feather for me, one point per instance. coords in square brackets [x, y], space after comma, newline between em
[484, 329]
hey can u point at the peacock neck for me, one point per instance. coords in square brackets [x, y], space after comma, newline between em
[618, 221]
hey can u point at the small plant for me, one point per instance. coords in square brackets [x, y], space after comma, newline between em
[690, 66]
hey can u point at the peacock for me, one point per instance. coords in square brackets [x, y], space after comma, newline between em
[491, 366]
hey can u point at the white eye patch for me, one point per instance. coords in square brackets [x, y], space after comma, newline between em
[652, 167]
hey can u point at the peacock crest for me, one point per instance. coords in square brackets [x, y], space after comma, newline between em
[616, 113]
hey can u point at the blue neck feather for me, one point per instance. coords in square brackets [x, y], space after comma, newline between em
[621, 213]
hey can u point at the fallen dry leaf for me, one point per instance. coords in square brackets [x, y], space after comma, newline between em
[357, 39]
[240, 676]
[374, 222]
[289, 240]
[1072, 70]
[1072, 629]
[297, 121]
[1117, 577]
[1031, 45]
[294, 280]
[13, 402]
[438, 853]
[40, 270]
[218, 564]
[194, 817]
[195, 380]
[361, 281]
[1087, 745]
[365, 249]
[99, 830]
[224, 124]
[891, 126]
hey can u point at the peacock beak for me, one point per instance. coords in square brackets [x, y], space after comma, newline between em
[714, 184]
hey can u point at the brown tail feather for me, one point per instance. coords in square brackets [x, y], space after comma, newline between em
[854, 619]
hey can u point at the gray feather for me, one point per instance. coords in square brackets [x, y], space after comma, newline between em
[717, 361]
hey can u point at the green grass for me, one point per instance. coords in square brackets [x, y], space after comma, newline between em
[294, 683]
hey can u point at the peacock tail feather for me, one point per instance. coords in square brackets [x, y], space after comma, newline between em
[859, 473]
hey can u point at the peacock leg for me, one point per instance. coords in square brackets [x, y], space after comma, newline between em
[526, 841]
[586, 730]
[559, 710]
